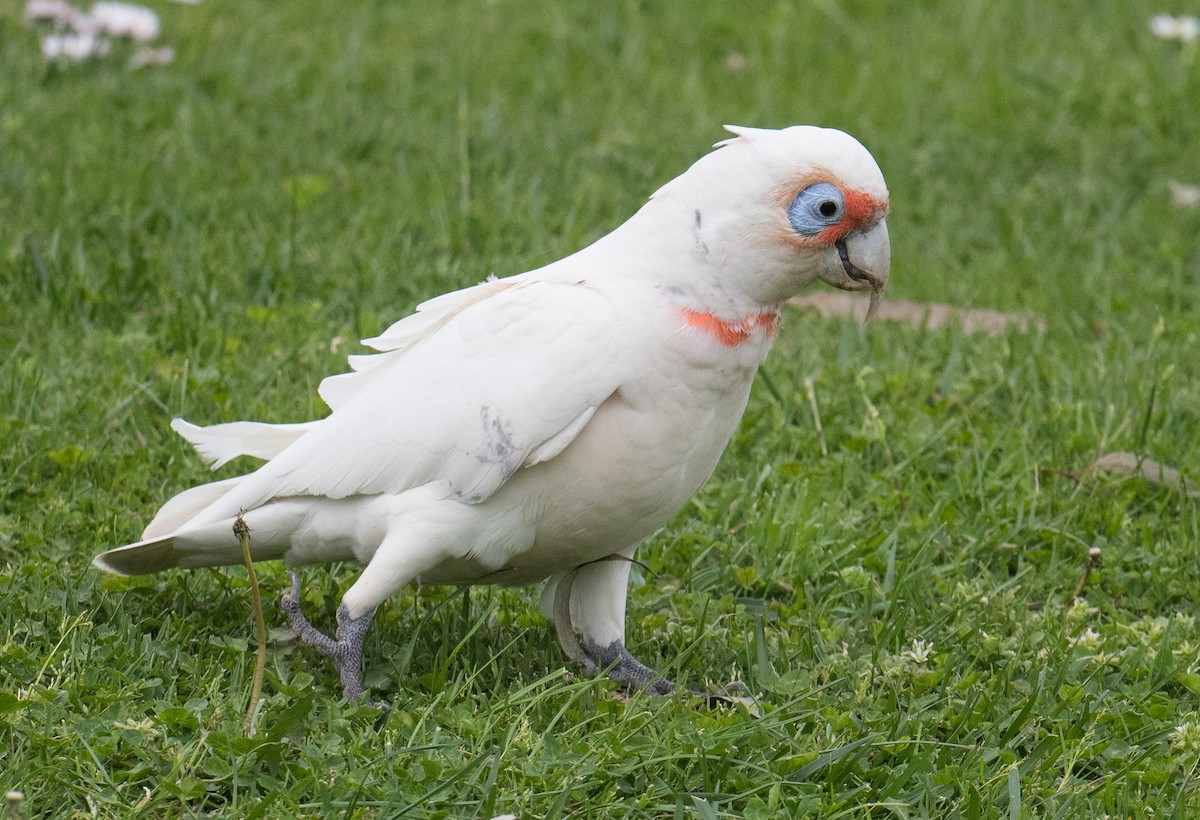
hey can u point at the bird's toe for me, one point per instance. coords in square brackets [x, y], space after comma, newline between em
[621, 666]
[345, 649]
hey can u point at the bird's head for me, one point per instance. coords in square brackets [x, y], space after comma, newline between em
[772, 211]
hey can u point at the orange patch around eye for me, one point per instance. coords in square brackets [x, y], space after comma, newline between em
[732, 334]
[861, 209]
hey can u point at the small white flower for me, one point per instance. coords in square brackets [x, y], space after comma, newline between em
[146, 55]
[73, 46]
[1080, 613]
[1156, 626]
[1090, 639]
[920, 651]
[125, 20]
[1186, 737]
[1184, 28]
[1185, 196]
[144, 726]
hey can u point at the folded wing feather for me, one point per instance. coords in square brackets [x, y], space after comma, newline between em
[503, 381]
[219, 444]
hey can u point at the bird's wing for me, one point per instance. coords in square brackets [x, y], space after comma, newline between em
[429, 317]
[505, 382]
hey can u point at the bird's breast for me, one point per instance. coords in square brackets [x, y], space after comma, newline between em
[646, 451]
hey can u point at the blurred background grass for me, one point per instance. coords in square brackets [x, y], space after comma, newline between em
[209, 238]
[1028, 148]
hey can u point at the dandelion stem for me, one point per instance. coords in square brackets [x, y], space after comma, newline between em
[12, 805]
[260, 662]
[811, 390]
[1093, 563]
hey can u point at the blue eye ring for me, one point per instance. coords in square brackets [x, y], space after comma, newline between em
[816, 208]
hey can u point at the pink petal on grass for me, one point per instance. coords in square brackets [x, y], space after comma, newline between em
[125, 20]
[56, 12]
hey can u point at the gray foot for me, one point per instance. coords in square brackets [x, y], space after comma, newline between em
[624, 668]
[346, 651]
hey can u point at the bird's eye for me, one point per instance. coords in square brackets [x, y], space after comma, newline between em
[816, 208]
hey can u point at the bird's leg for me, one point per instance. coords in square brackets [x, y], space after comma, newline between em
[592, 598]
[563, 627]
[345, 650]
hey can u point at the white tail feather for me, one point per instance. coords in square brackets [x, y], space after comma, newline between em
[221, 443]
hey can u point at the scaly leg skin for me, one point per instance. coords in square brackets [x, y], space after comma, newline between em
[616, 662]
[346, 651]
[591, 598]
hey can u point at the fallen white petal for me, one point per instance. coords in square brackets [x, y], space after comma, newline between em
[146, 56]
[1186, 196]
[73, 46]
[1185, 28]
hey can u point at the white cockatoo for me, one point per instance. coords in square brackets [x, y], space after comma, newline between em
[540, 426]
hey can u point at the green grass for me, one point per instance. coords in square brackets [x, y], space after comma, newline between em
[189, 240]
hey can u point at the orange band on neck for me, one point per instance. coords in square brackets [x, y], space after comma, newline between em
[732, 334]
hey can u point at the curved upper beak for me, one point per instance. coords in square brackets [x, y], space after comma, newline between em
[864, 258]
